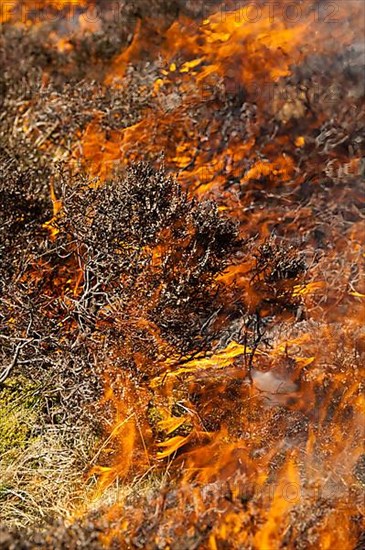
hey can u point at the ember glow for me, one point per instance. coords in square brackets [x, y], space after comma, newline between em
[203, 253]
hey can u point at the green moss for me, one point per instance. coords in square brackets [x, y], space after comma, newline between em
[154, 417]
[18, 413]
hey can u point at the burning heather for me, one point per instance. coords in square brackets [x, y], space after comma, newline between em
[182, 275]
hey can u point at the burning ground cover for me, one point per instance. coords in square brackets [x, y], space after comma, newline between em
[182, 290]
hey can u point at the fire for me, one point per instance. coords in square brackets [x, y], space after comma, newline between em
[57, 207]
[287, 494]
[252, 428]
[214, 50]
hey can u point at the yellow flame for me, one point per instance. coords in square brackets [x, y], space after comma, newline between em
[172, 445]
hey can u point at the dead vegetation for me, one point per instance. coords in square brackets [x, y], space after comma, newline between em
[113, 275]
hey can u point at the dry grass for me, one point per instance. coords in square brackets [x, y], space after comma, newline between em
[45, 481]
